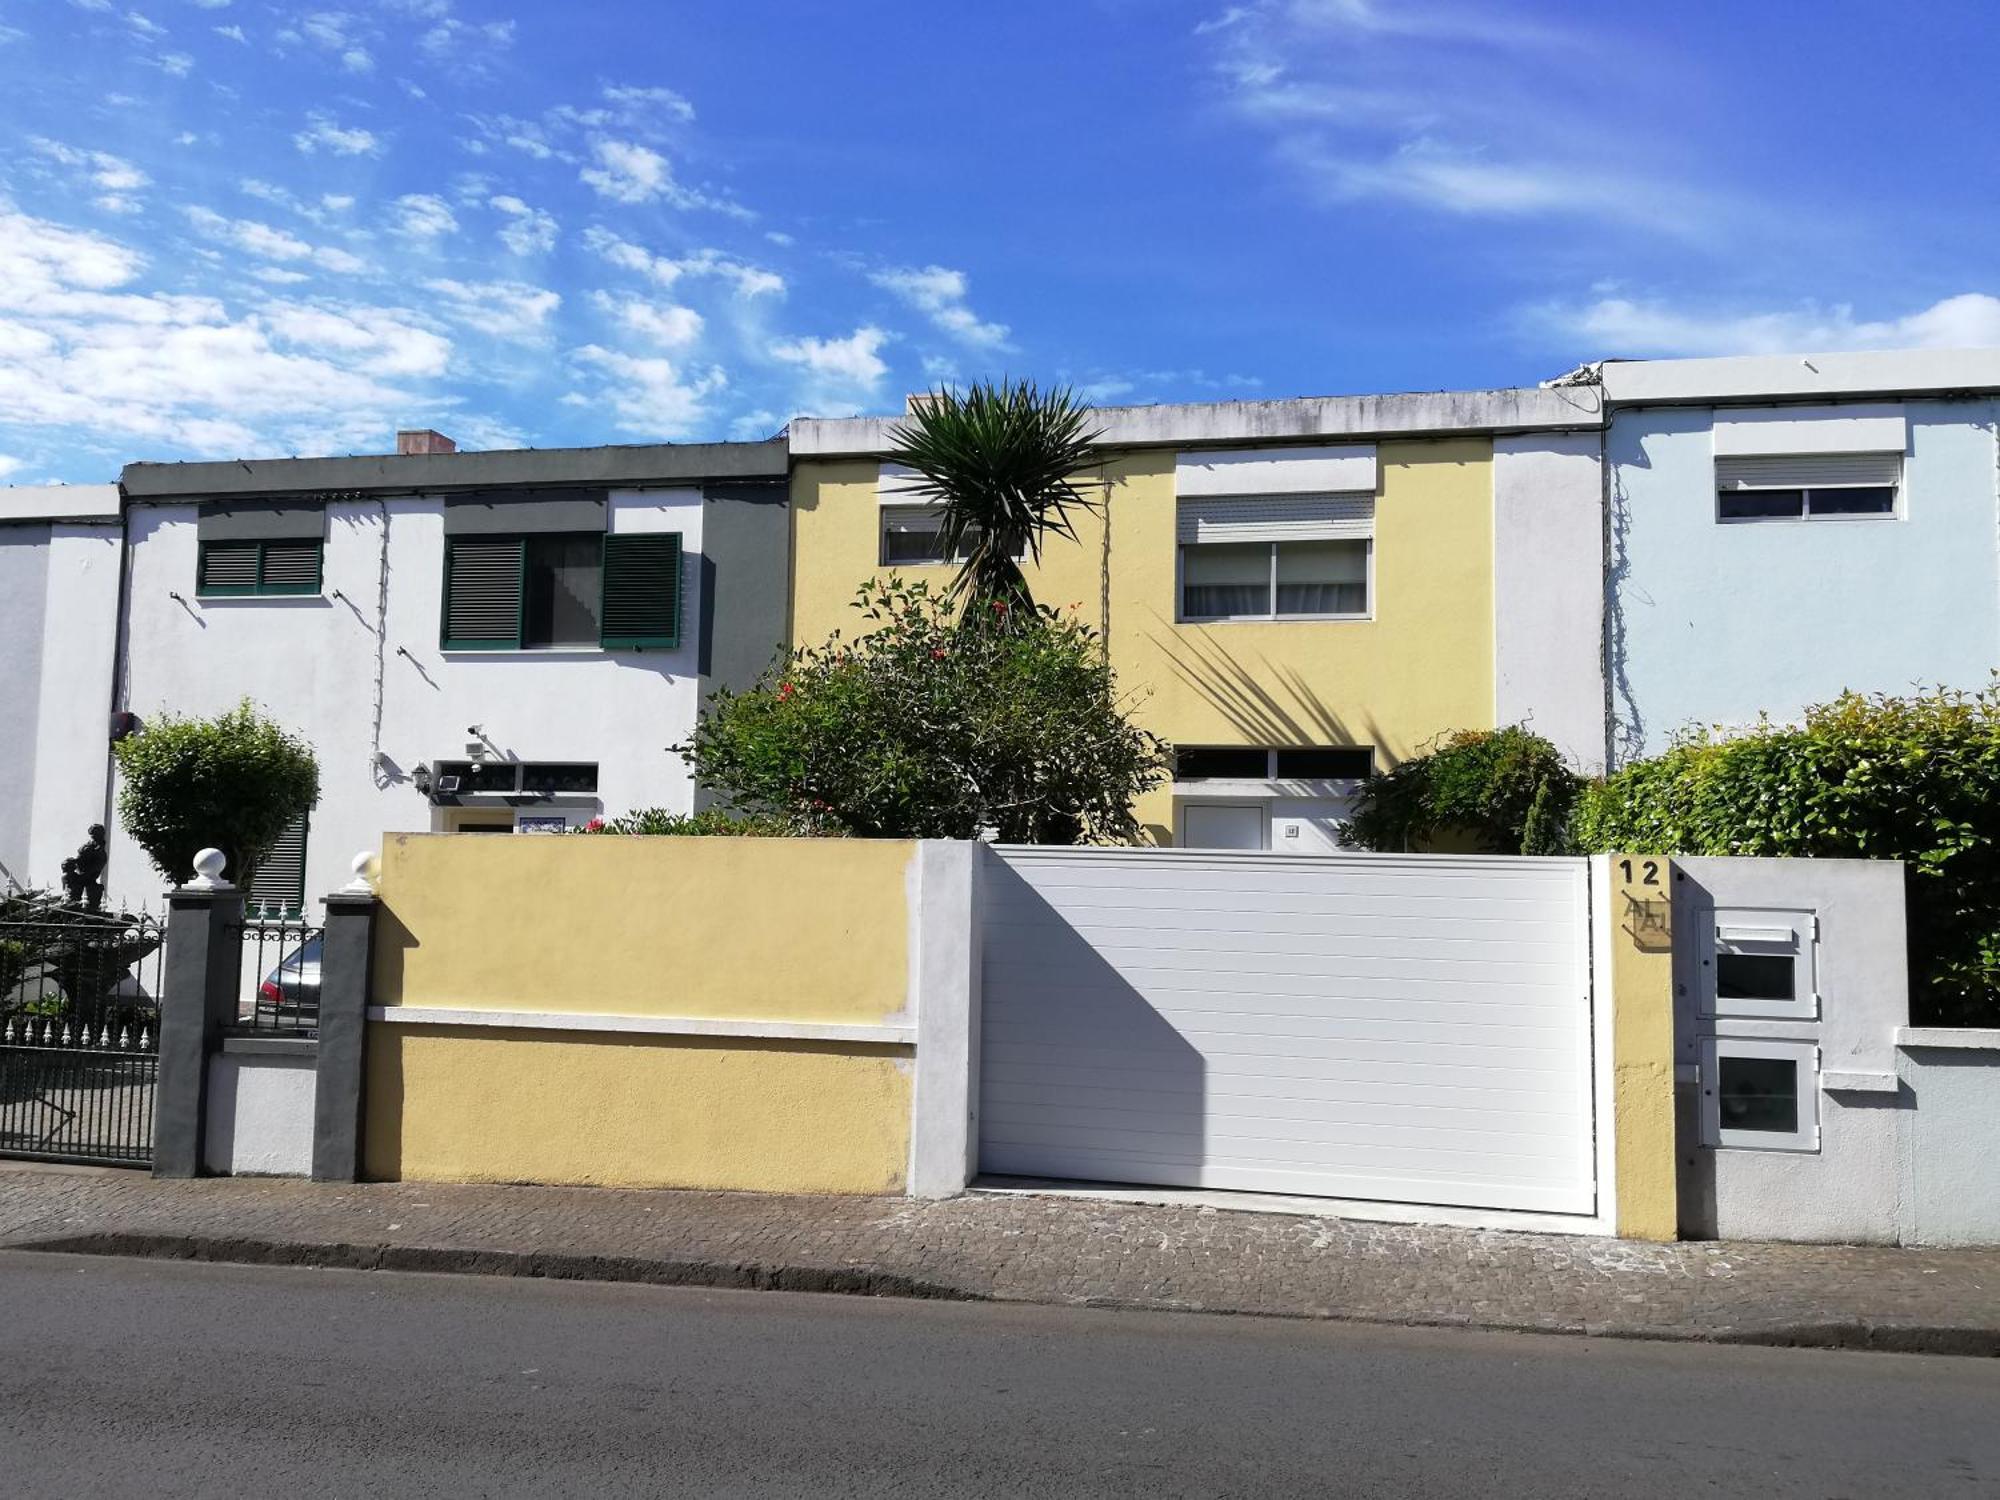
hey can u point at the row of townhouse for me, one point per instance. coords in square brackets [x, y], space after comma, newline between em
[1299, 593]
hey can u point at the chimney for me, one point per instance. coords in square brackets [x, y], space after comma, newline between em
[428, 440]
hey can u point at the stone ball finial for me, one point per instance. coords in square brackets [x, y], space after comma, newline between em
[365, 867]
[208, 868]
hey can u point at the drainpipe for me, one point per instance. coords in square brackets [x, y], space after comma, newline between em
[120, 645]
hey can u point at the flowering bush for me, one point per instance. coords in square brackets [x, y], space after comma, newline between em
[927, 727]
[712, 823]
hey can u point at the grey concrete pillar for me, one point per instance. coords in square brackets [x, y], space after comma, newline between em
[198, 997]
[346, 955]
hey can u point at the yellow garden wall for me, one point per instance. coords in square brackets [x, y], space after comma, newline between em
[1421, 666]
[743, 929]
[1640, 925]
[506, 1105]
[704, 1013]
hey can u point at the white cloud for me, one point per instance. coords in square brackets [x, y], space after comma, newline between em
[323, 133]
[511, 310]
[115, 178]
[423, 217]
[664, 323]
[1624, 326]
[231, 34]
[849, 366]
[939, 293]
[529, 231]
[85, 351]
[268, 243]
[627, 172]
[174, 64]
[640, 102]
[143, 25]
[748, 281]
[648, 397]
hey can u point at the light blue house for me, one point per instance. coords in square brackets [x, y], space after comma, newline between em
[1781, 528]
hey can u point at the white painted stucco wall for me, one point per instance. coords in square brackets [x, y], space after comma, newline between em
[1548, 589]
[1713, 623]
[311, 662]
[1951, 1167]
[72, 722]
[59, 560]
[260, 1114]
[1849, 1189]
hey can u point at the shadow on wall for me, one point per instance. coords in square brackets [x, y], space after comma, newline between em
[1080, 1076]
[1268, 704]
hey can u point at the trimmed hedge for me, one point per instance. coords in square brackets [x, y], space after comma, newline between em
[1913, 778]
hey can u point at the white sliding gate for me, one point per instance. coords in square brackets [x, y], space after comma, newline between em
[1404, 1029]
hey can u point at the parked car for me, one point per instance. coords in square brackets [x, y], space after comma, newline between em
[289, 995]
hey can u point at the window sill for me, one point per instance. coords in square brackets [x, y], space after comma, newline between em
[208, 601]
[1274, 619]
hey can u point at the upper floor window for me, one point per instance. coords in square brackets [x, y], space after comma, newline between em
[1291, 557]
[258, 547]
[1812, 487]
[557, 589]
[913, 536]
[230, 569]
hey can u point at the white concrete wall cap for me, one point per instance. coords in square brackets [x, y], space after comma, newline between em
[1765, 377]
[1195, 424]
[58, 502]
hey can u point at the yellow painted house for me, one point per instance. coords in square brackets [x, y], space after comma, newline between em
[1297, 592]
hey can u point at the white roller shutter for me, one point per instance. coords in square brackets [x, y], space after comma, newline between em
[1408, 1029]
[1278, 518]
[1808, 471]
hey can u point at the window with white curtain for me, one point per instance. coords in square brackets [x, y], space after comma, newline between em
[1276, 558]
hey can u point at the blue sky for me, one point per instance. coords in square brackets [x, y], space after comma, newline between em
[235, 228]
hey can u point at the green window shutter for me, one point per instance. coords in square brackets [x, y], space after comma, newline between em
[642, 591]
[278, 886]
[483, 593]
[225, 568]
[290, 568]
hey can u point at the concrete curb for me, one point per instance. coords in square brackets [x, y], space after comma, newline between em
[1857, 1334]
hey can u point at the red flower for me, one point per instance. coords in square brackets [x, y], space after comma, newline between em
[1000, 606]
[595, 825]
[784, 691]
[937, 653]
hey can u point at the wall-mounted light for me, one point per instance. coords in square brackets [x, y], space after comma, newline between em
[420, 778]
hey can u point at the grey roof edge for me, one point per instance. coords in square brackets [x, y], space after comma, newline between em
[1320, 418]
[611, 466]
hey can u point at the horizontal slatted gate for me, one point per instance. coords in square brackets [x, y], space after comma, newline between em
[1410, 1029]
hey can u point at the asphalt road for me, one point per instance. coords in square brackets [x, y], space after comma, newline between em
[151, 1378]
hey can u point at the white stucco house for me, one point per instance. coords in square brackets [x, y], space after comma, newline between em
[498, 641]
[1780, 528]
[59, 556]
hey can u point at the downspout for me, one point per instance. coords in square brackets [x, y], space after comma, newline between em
[1605, 666]
[121, 636]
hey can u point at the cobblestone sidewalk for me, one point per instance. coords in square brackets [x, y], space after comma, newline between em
[1040, 1249]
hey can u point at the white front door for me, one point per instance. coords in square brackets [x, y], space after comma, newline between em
[1223, 825]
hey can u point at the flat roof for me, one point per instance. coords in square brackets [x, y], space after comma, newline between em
[613, 466]
[1214, 423]
[58, 502]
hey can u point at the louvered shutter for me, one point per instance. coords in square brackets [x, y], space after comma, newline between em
[1278, 518]
[642, 591]
[1808, 471]
[227, 568]
[278, 888]
[290, 568]
[482, 592]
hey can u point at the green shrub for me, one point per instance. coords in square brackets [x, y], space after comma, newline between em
[925, 727]
[235, 782]
[714, 823]
[1913, 778]
[1507, 790]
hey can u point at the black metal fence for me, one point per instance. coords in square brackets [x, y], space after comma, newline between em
[280, 962]
[79, 1032]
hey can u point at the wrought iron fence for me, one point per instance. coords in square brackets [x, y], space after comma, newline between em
[79, 1032]
[280, 964]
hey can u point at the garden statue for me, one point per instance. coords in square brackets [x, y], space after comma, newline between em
[72, 884]
[89, 869]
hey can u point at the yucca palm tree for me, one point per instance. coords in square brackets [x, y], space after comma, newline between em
[1001, 461]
